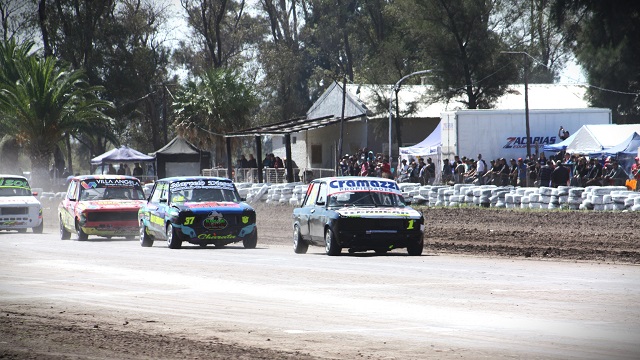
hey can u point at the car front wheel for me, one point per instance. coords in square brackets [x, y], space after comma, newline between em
[64, 233]
[173, 242]
[250, 241]
[38, 229]
[331, 244]
[299, 246]
[82, 236]
[415, 249]
[145, 239]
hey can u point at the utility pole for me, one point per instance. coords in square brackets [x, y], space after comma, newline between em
[526, 96]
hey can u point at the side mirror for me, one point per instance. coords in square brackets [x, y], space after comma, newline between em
[320, 203]
[164, 200]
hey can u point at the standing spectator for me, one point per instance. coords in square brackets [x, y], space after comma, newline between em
[563, 134]
[267, 162]
[544, 176]
[127, 171]
[460, 170]
[137, 170]
[522, 173]
[111, 170]
[504, 171]
[542, 160]
[580, 171]
[402, 171]
[344, 166]
[278, 164]
[447, 174]
[252, 163]
[616, 176]
[121, 169]
[385, 168]
[513, 173]
[481, 169]
[594, 173]
[533, 168]
[635, 169]
[560, 176]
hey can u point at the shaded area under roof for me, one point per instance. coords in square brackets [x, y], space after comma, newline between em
[292, 126]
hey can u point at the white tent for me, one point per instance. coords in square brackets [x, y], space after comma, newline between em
[595, 138]
[428, 146]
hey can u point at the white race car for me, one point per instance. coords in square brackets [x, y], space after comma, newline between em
[19, 209]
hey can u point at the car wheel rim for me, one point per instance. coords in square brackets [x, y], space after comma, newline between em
[142, 232]
[327, 240]
[296, 233]
[169, 234]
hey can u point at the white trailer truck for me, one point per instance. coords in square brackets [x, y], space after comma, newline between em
[502, 133]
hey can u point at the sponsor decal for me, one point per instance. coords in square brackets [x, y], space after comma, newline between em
[363, 185]
[201, 184]
[366, 212]
[15, 183]
[214, 221]
[215, 237]
[520, 142]
[245, 219]
[210, 204]
[156, 220]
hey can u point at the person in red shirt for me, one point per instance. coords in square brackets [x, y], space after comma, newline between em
[635, 169]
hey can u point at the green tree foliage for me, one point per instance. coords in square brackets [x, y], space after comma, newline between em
[43, 103]
[461, 44]
[216, 103]
[606, 40]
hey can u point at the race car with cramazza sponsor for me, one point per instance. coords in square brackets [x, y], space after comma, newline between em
[358, 213]
[103, 205]
[200, 210]
[19, 209]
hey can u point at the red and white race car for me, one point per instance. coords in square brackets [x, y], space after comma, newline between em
[103, 205]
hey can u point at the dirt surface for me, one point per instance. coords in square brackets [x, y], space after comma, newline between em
[607, 237]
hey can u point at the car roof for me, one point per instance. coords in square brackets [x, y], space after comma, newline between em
[91, 177]
[194, 178]
[13, 176]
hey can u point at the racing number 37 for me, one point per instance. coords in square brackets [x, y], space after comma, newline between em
[189, 220]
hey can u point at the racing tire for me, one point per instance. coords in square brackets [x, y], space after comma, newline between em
[250, 241]
[82, 236]
[331, 246]
[173, 242]
[299, 246]
[64, 233]
[145, 239]
[22, 231]
[219, 245]
[415, 249]
[38, 229]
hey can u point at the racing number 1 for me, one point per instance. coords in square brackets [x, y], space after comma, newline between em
[411, 222]
[189, 220]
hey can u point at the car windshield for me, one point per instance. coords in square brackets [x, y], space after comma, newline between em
[203, 191]
[14, 187]
[366, 198]
[111, 189]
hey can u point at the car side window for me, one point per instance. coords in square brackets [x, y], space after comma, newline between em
[312, 195]
[72, 190]
[157, 193]
[322, 194]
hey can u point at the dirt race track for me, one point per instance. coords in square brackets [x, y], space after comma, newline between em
[602, 237]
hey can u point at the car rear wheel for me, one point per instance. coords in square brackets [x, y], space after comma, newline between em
[173, 242]
[331, 244]
[145, 239]
[299, 246]
[64, 233]
[38, 229]
[415, 249]
[251, 241]
[82, 236]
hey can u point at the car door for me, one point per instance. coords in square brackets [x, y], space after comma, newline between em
[306, 210]
[318, 215]
[156, 207]
[68, 209]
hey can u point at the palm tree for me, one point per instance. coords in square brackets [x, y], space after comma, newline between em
[40, 103]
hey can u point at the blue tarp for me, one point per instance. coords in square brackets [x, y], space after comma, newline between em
[561, 145]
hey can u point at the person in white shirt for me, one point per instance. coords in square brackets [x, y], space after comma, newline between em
[481, 169]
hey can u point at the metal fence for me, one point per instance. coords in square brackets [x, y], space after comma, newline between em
[271, 175]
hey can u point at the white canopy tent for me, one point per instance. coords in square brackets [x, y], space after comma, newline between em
[595, 138]
[431, 146]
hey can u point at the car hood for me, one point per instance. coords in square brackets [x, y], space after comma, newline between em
[110, 204]
[379, 212]
[222, 206]
[18, 201]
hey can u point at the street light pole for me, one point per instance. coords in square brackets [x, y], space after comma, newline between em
[526, 97]
[396, 87]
